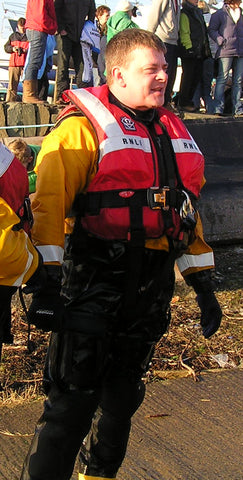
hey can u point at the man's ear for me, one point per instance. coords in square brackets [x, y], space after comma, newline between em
[118, 77]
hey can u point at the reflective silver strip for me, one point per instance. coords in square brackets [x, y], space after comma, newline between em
[6, 158]
[195, 261]
[102, 115]
[123, 142]
[19, 280]
[185, 145]
[116, 139]
[51, 253]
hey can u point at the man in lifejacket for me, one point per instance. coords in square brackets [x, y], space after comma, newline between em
[19, 260]
[126, 174]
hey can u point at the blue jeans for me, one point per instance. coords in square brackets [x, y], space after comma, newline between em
[37, 46]
[224, 66]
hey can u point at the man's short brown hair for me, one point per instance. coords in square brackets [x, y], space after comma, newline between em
[21, 21]
[123, 43]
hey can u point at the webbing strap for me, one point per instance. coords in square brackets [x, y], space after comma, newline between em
[94, 201]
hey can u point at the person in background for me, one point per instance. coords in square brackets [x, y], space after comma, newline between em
[17, 45]
[202, 98]
[194, 49]
[102, 15]
[121, 19]
[70, 19]
[90, 44]
[129, 172]
[40, 21]
[163, 20]
[19, 260]
[47, 64]
[27, 155]
[226, 29]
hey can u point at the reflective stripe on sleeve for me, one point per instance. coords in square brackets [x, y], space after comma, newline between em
[18, 282]
[6, 158]
[51, 253]
[195, 261]
[185, 145]
[123, 143]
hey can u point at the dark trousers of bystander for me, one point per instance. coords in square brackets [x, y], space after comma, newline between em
[192, 70]
[67, 49]
[171, 58]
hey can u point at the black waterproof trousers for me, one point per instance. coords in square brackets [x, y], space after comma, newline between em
[118, 308]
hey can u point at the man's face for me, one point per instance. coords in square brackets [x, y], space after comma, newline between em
[145, 79]
[21, 28]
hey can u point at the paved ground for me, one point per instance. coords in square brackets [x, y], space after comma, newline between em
[185, 430]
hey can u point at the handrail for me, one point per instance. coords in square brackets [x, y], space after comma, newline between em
[27, 126]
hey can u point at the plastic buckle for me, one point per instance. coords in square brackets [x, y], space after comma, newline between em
[157, 198]
[187, 213]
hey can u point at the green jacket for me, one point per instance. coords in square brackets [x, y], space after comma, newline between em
[118, 22]
[31, 174]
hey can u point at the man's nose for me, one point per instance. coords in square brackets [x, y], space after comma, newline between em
[162, 75]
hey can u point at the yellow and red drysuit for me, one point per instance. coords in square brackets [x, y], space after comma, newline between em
[67, 164]
[117, 296]
[18, 257]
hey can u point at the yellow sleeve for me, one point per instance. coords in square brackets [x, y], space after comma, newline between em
[18, 258]
[65, 166]
[199, 255]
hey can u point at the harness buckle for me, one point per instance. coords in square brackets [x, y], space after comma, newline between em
[157, 198]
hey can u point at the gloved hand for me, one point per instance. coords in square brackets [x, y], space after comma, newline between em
[211, 313]
[190, 53]
[47, 310]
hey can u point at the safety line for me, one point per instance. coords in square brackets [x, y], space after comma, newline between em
[28, 126]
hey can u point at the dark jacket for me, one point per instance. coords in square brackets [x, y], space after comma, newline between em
[71, 15]
[17, 39]
[198, 33]
[226, 33]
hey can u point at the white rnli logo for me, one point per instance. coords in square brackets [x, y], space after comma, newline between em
[128, 123]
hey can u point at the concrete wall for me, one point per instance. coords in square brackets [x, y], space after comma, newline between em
[18, 114]
[221, 205]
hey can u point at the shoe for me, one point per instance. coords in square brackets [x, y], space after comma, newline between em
[222, 115]
[172, 108]
[189, 108]
[60, 101]
[30, 92]
[238, 115]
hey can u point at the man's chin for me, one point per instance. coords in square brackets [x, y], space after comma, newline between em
[158, 102]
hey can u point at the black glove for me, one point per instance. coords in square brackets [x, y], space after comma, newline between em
[47, 310]
[190, 53]
[204, 285]
[6, 294]
[211, 313]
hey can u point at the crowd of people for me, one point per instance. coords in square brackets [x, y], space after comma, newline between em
[114, 204]
[208, 44]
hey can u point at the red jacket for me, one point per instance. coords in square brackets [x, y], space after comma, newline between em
[41, 16]
[17, 40]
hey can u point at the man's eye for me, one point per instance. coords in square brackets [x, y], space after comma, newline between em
[150, 70]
